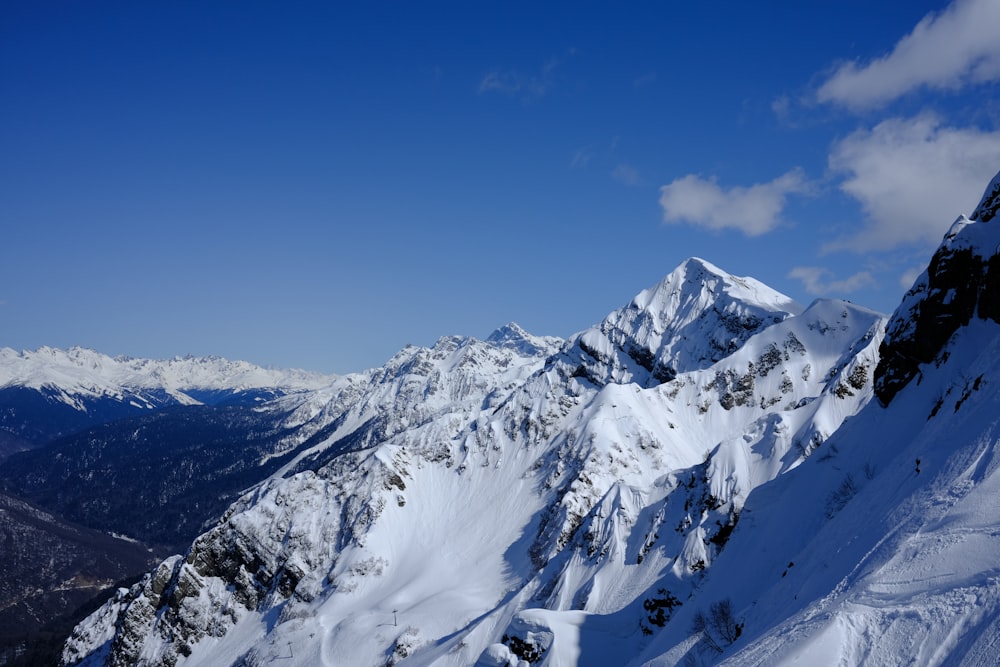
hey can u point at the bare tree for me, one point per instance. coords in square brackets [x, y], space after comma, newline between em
[719, 628]
[723, 621]
[699, 626]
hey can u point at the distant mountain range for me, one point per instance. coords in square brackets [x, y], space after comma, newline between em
[48, 393]
[131, 447]
[713, 474]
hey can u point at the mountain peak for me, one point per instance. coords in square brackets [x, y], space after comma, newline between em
[695, 316]
[697, 282]
[513, 336]
[509, 331]
[989, 205]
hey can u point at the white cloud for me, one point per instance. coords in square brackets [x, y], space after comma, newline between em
[626, 174]
[581, 158]
[910, 276]
[527, 86]
[513, 83]
[912, 177]
[815, 280]
[753, 210]
[644, 80]
[946, 51]
[780, 106]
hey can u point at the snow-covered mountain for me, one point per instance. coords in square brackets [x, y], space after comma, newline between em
[78, 372]
[47, 393]
[883, 551]
[702, 478]
[451, 491]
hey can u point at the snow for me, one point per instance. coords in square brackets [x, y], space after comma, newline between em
[990, 203]
[906, 567]
[521, 500]
[695, 316]
[79, 373]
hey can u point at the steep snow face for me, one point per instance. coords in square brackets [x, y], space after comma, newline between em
[456, 377]
[478, 501]
[694, 317]
[881, 552]
[78, 374]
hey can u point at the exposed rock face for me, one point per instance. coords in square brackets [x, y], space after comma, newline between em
[961, 282]
[990, 204]
[696, 316]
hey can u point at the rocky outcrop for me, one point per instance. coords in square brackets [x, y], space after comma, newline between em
[696, 316]
[961, 282]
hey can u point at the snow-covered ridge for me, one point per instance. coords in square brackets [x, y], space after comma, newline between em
[989, 205]
[481, 479]
[84, 373]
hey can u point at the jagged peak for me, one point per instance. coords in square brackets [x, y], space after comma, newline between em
[696, 285]
[513, 336]
[989, 205]
[84, 369]
[692, 318]
[510, 331]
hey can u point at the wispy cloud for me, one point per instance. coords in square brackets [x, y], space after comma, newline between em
[753, 210]
[912, 177]
[816, 280]
[780, 106]
[644, 80]
[526, 85]
[945, 51]
[513, 83]
[626, 174]
[908, 277]
[581, 157]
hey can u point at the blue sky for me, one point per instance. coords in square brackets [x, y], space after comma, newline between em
[316, 185]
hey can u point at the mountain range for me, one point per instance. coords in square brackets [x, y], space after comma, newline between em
[713, 474]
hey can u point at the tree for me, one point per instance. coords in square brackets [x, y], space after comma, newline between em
[719, 627]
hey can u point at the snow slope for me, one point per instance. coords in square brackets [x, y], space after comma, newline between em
[896, 536]
[889, 555]
[479, 500]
